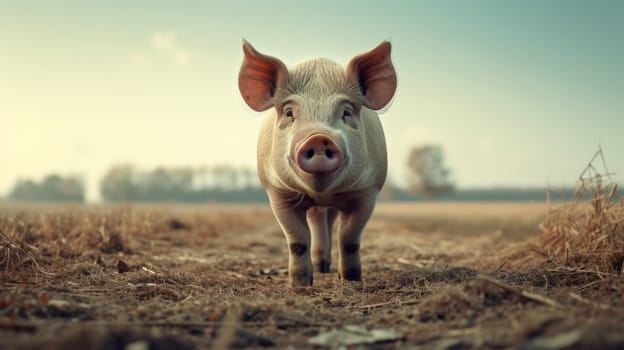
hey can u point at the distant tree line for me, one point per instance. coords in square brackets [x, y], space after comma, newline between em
[51, 188]
[182, 184]
[428, 178]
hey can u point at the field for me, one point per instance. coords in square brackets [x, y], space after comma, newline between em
[436, 276]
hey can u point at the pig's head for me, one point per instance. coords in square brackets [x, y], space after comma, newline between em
[319, 140]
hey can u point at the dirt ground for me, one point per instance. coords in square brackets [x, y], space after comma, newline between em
[436, 276]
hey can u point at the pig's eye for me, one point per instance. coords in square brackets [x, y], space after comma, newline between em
[348, 116]
[290, 113]
[347, 111]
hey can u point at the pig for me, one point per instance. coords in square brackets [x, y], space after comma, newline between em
[321, 153]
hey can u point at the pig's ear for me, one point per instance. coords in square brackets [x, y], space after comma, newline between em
[374, 73]
[259, 76]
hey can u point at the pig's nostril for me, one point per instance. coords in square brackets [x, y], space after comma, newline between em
[329, 154]
[309, 153]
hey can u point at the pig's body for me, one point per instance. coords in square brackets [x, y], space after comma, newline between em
[321, 151]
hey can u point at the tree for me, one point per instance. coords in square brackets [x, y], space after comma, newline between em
[52, 188]
[428, 175]
[24, 190]
[119, 184]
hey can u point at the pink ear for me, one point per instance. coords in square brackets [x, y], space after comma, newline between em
[374, 73]
[259, 76]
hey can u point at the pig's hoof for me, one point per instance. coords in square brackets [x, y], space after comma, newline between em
[322, 266]
[300, 279]
[352, 274]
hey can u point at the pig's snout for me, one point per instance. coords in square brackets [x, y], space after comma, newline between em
[319, 154]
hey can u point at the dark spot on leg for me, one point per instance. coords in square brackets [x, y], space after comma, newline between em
[298, 249]
[352, 274]
[322, 266]
[351, 248]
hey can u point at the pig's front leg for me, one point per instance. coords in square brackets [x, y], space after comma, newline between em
[292, 219]
[321, 220]
[353, 218]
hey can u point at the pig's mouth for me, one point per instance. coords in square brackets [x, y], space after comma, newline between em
[320, 182]
[317, 182]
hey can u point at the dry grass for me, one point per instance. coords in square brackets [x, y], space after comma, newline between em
[588, 233]
[585, 235]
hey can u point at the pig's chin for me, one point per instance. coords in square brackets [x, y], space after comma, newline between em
[319, 182]
[315, 183]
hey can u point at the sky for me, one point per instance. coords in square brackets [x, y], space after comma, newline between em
[518, 93]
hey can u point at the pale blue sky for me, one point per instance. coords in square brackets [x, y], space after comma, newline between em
[519, 93]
